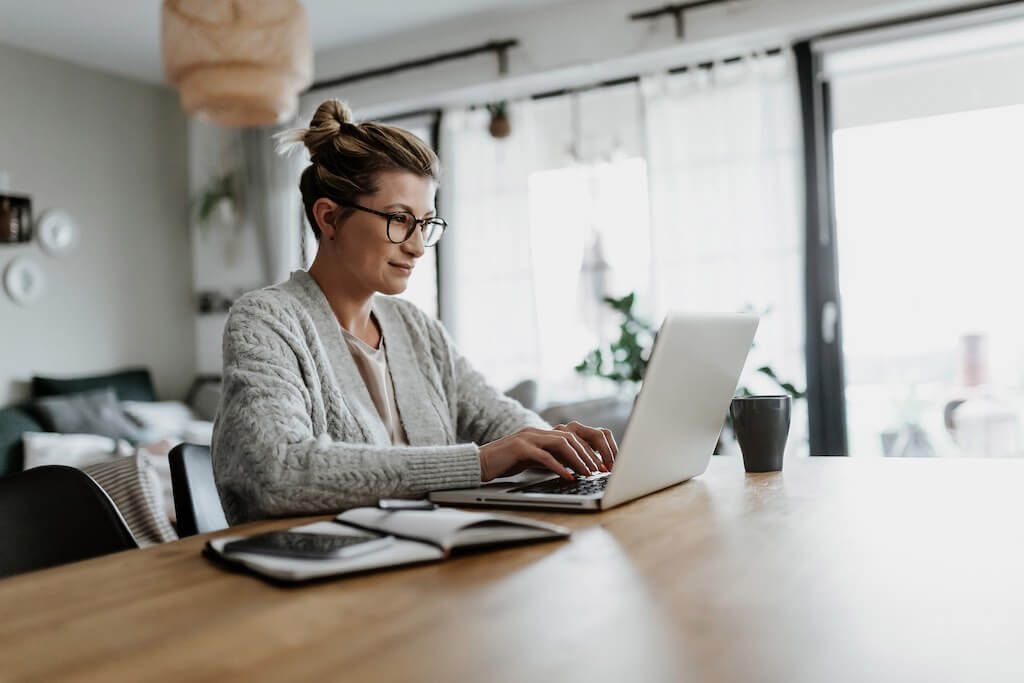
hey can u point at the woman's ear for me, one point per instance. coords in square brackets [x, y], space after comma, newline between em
[326, 213]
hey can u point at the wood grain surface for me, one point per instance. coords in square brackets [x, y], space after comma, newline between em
[837, 569]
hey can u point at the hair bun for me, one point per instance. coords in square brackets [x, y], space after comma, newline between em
[331, 113]
[328, 121]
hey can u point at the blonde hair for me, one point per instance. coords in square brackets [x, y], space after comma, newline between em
[346, 156]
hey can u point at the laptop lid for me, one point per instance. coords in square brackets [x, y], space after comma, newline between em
[692, 374]
[690, 379]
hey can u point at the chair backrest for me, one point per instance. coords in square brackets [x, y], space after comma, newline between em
[196, 501]
[53, 515]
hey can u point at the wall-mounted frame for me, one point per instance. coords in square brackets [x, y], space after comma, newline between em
[15, 219]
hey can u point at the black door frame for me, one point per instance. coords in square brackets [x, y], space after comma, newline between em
[826, 395]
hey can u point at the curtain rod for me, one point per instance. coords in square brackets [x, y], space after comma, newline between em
[636, 78]
[436, 111]
[676, 11]
[499, 47]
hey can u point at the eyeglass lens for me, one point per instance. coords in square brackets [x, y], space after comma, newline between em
[402, 224]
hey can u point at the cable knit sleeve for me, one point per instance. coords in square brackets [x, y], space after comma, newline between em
[272, 454]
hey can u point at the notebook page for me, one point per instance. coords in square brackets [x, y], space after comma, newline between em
[445, 526]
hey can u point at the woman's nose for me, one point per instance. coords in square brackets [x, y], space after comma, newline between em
[414, 245]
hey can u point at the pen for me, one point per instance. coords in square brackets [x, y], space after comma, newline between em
[405, 504]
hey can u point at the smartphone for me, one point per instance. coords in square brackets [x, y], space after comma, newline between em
[308, 546]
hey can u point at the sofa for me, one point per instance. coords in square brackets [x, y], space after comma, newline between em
[68, 421]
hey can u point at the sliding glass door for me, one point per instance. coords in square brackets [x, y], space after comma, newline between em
[924, 144]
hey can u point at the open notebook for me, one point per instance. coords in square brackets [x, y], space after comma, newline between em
[420, 536]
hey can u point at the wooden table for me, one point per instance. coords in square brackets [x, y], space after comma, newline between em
[835, 570]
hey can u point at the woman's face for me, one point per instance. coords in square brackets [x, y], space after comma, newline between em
[361, 249]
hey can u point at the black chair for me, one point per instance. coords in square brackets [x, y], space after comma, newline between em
[196, 501]
[53, 515]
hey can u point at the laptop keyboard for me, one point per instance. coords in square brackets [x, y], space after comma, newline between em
[582, 486]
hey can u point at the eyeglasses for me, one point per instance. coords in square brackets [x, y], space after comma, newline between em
[402, 224]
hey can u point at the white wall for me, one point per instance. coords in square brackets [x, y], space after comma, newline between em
[225, 259]
[112, 153]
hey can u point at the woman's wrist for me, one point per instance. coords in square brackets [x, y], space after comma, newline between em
[485, 474]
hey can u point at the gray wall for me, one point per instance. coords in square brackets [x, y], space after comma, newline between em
[112, 153]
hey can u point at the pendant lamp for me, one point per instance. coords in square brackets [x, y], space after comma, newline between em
[239, 63]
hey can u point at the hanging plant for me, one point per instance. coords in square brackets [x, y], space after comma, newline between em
[221, 197]
[499, 126]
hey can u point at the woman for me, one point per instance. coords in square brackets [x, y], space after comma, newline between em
[335, 396]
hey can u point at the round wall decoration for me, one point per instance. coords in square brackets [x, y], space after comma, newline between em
[24, 280]
[57, 232]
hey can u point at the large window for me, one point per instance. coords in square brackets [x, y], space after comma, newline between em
[590, 233]
[929, 218]
[681, 188]
[923, 123]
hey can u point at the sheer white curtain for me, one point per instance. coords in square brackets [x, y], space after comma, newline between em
[685, 189]
[485, 255]
[725, 171]
[533, 217]
[272, 202]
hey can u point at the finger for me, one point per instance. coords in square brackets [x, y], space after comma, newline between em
[581, 447]
[611, 440]
[541, 457]
[585, 451]
[557, 443]
[597, 440]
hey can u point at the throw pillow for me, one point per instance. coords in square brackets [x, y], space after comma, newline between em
[204, 398]
[169, 420]
[73, 450]
[134, 486]
[90, 412]
[159, 419]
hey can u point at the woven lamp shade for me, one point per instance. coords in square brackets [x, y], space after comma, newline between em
[237, 62]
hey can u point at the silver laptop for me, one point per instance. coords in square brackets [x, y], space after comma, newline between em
[692, 374]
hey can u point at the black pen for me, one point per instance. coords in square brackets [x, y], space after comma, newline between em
[405, 504]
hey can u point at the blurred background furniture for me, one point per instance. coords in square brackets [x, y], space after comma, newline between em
[196, 501]
[53, 515]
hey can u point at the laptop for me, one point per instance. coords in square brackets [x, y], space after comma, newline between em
[691, 376]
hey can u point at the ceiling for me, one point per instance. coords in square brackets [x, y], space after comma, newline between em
[124, 37]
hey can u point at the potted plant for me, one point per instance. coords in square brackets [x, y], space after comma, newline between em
[220, 199]
[499, 126]
[624, 360]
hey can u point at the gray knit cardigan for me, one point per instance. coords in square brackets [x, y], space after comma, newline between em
[293, 433]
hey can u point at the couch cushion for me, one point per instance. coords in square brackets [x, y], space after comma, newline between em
[132, 384]
[90, 412]
[70, 450]
[14, 421]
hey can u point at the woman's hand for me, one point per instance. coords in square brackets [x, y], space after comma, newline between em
[601, 442]
[554, 449]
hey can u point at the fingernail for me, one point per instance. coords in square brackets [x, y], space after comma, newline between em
[570, 476]
[603, 468]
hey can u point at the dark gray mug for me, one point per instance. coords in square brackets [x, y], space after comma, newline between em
[761, 424]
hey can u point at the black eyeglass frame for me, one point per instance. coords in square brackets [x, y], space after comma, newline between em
[412, 228]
